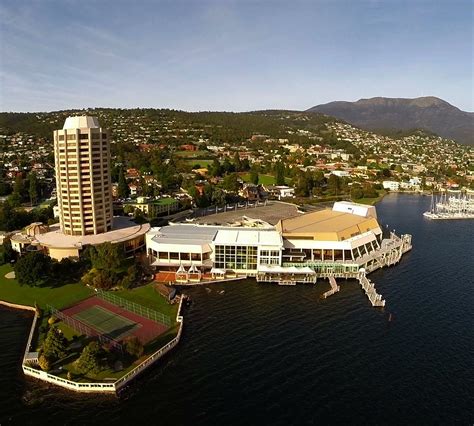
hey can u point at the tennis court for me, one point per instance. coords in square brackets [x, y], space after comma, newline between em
[114, 321]
[106, 322]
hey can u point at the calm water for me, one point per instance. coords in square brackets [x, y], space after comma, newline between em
[280, 355]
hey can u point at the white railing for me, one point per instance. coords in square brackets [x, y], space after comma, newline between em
[101, 387]
[30, 336]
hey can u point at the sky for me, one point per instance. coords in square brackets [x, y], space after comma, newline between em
[241, 55]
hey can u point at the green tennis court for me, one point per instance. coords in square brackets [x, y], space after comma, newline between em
[106, 322]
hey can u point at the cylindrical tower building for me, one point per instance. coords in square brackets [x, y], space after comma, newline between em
[83, 182]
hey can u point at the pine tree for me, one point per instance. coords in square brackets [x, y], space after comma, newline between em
[33, 188]
[123, 190]
[55, 344]
[89, 361]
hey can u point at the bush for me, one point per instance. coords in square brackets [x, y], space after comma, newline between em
[134, 347]
[44, 362]
[55, 344]
[89, 361]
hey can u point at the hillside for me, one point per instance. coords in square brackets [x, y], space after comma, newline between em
[394, 114]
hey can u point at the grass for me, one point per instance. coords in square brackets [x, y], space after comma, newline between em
[164, 201]
[60, 297]
[203, 163]
[192, 154]
[149, 297]
[371, 201]
[263, 179]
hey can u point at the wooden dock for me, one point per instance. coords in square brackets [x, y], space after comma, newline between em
[334, 287]
[369, 288]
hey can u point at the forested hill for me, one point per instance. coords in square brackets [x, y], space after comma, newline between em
[392, 114]
[175, 127]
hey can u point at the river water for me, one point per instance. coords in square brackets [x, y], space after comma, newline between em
[265, 354]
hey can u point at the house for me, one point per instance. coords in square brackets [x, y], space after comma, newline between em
[253, 192]
[391, 185]
[280, 191]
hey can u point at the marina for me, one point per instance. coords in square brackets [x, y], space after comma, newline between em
[452, 205]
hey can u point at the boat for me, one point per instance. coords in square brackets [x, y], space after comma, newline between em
[455, 205]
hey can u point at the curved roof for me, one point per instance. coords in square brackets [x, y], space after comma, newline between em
[81, 122]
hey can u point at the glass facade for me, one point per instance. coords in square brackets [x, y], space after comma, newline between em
[269, 257]
[236, 257]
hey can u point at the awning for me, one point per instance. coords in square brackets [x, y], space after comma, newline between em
[218, 271]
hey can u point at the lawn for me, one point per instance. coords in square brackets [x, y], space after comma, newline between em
[59, 297]
[371, 201]
[192, 154]
[263, 179]
[149, 297]
[203, 163]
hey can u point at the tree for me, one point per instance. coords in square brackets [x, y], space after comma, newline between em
[134, 347]
[33, 268]
[107, 256]
[123, 190]
[33, 188]
[55, 345]
[237, 162]
[19, 187]
[89, 360]
[215, 169]
[280, 173]
[7, 254]
[134, 275]
[231, 183]
[334, 184]
[254, 176]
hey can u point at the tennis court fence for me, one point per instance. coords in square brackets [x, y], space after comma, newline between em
[134, 307]
[84, 329]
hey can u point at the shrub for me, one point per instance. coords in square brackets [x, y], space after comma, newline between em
[44, 362]
[89, 361]
[134, 347]
[55, 344]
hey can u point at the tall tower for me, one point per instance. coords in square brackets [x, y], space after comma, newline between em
[83, 182]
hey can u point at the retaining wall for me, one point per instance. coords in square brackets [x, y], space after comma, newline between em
[99, 387]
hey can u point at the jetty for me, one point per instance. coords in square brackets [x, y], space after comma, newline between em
[369, 288]
[334, 287]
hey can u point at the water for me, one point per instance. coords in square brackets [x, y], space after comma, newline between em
[261, 353]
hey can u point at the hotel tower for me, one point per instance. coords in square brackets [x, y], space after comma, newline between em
[83, 182]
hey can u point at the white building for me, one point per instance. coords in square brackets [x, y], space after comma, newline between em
[337, 241]
[392, 185]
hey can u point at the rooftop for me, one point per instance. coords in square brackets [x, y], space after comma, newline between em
[327, 225]
[246, 236]
[271, 213]
[123, 230]
[81, 122]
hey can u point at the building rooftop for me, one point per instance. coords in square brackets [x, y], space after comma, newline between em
[81, 122]
[191, 238]
[327, 225]
[123, 229]
[247, 236]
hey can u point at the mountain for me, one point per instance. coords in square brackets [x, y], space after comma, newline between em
[427, 113]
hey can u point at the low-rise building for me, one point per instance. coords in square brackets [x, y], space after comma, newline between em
[152, 207]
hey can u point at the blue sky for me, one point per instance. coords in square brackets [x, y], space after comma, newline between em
[231, 55]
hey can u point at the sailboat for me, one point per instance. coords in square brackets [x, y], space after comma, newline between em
[459, 205]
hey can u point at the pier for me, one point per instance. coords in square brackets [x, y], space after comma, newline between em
[334, 287]
[369, 288]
